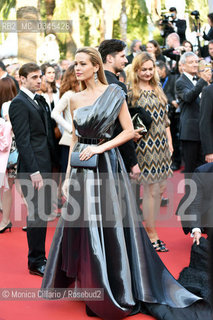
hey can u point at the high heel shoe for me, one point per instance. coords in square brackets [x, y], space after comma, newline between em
[159, 246]
[8, 226]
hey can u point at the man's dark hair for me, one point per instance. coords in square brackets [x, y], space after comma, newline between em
[2, 66]
[112, 46]
[28, 68]
[210, 16]
[210, 42]
[161, 64]
[172, 9]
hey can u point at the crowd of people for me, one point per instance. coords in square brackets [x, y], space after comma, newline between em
[144, 115]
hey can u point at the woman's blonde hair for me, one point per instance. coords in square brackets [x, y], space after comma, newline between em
[137, 64]
[95, 59]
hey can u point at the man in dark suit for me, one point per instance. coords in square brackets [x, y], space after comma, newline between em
[114, 59]
[197, 218]
[168, 84]
[209, 35]
[134, 48]
[206, 123]
[4, 74]
[174, 25]
[30, 122]
[188, 92]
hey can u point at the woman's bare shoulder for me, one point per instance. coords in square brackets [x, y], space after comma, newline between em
[76, 98]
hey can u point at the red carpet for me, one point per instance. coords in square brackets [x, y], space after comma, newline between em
[14, 272]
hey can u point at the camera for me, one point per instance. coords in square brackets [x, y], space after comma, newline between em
[196, 14]
[165, 19]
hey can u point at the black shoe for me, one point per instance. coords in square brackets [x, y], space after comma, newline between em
[24, 229]
[8, 226]
[90, 313]
[39, 271]
[175, 166]
[164, 202]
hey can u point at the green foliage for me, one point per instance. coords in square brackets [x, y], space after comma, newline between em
[116, 29]
[42, 9]
[137, 27]
[143, 7]
[5, 6]
[96, 4]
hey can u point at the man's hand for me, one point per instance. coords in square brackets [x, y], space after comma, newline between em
[135, 172]
[175, 104]
[206, 74]
[197, 236]
[37, 181]
[209, 157]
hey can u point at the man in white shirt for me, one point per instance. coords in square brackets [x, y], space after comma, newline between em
[29, 119]
[188, 90]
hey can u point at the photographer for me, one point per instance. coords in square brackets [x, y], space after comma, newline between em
[174, 25]
[209, 35]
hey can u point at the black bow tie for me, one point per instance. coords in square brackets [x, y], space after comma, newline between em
[41, 101]
[195, 78]
[39, 98]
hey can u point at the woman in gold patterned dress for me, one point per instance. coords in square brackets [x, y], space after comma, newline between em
[155, 148]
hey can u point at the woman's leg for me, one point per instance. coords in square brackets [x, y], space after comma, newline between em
[151, 207]
[6, 204]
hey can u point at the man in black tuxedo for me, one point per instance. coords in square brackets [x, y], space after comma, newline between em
[114, 59]
[209, 35]
[4, 74]
[188, 92]
[206, 123]
[168, 84]
[31, 126]
[174, 25]
[197, 218]
[134, 48]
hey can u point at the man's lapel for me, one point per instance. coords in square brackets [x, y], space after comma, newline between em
[38, 108]
[188, 81]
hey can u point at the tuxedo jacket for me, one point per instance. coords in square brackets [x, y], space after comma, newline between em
[169, 87]
[200, 206]
[189, 102]
[181, 29]
[206, 120]
[15, 81]
[30, 126]
[130, 57]
[127, 150]
[209, 35]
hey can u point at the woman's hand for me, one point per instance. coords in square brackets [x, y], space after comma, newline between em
[65, 187]
[171, 149]
[137, 134]
[89, 151]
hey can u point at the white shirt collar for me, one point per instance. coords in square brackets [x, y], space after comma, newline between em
[189, 76]
[28, 92]
[4, 75]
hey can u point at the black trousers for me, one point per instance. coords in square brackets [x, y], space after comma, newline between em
[192, 155]
[39, 207]
[174, 128]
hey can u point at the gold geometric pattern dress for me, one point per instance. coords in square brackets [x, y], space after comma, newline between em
[152, 149]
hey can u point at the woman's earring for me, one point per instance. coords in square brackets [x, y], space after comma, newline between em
[96, 77]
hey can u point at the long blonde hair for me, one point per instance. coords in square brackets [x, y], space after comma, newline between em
[95, 59]
[137, 63]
